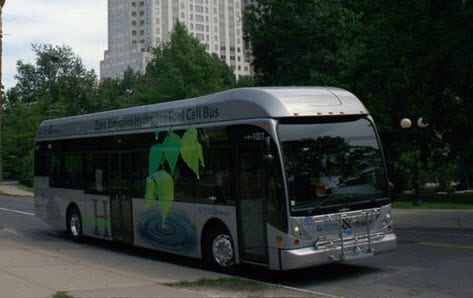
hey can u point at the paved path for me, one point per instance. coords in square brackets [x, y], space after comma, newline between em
[28, 271]
[11, 188]
[434, 219]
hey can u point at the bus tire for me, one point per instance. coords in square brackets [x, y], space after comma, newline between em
[219, 249]
[74, 224]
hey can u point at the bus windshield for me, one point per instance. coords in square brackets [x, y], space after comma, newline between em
[333, 167]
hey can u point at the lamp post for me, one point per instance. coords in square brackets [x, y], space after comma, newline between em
[406, 123]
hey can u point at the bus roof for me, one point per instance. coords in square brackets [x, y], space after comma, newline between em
[234, 104]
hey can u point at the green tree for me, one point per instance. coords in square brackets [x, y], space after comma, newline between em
[418, 62]
[301, 42]
[20, 124]
[181, 69]
[115, 93]
[56, 85]
[246, 81]
[58, 77]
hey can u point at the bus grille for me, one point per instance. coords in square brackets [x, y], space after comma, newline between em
[354, 235]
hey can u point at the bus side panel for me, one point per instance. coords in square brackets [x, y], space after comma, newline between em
[179, 231]
[95, 211]
[166, 226]
[41, 198]
[51, 203]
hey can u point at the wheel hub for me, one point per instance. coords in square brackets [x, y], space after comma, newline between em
[222, 250]
[75, 225]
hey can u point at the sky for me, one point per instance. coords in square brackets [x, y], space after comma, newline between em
[79, 24]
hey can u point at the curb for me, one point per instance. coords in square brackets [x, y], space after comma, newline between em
[435, 218]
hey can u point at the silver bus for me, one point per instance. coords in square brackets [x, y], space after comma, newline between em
[282, 177]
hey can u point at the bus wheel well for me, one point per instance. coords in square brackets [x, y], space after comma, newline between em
[212, 223]
[71, 207]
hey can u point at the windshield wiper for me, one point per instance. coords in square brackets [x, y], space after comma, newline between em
[328, 198]
[324, 200]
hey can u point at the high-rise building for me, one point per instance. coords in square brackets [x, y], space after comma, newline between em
[135, 27]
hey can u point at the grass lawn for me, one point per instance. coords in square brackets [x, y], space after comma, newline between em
[61, 295]
[25, 188]
[435, 201]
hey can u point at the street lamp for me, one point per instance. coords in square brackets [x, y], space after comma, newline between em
[406, 123]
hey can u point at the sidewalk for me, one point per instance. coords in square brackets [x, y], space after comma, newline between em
[10, 188]
[436, 219]
[27, 271]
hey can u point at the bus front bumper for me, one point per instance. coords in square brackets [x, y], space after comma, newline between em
[311, 256]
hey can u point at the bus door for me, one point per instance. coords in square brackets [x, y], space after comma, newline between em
[120, 197]
[251, 204]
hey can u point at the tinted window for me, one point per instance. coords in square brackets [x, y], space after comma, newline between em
[96, 173]
[333, 165]
[67, 171]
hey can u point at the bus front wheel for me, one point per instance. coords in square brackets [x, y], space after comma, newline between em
[219, 250]
[74, 224]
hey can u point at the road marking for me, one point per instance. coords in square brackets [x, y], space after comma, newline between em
[16, 233]
[446, 245]
[17, 211]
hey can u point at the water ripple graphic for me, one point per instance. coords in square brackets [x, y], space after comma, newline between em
[176, 234]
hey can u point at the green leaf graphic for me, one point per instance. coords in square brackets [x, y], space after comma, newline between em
[150, 195]
[171, 148]
[165, 191]
[155, 158]
[191, 150]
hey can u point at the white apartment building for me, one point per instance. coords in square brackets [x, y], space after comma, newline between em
[135, 27]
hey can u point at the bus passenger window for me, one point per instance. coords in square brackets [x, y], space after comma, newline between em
[215, 177]
[139, 172]
[66, 171]
[184, 179]
[96, 173]
[99, 180]
[56, 165]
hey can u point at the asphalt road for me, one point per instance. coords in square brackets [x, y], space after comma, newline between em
[428, 262]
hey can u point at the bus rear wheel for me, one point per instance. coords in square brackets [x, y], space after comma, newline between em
[74, 224]
[219, 250]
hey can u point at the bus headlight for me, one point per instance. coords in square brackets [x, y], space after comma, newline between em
[298, 230]
[387, 220]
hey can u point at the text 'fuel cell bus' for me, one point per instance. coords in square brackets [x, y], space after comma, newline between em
[282, 177]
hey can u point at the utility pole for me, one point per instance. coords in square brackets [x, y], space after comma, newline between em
[2, 96]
